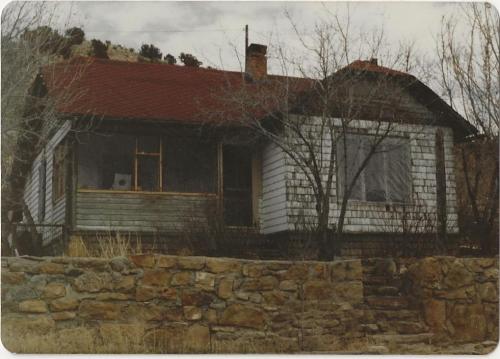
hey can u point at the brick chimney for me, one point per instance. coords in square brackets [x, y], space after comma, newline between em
[256, 62]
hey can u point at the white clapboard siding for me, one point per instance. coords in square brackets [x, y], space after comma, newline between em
[372, 216]
[273, 206]
[54, 212]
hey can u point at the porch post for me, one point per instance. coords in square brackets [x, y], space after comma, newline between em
[440, 187]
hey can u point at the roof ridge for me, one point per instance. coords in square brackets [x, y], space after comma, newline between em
[92, 59]
[367, 65]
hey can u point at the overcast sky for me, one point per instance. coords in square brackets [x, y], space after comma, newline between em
[207, 29]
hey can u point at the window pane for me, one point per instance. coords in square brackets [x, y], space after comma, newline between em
[353, 159]
[189, 166]
[374, 177]
[148, 175]
[398, 169]
[148, 144]
[106, 161]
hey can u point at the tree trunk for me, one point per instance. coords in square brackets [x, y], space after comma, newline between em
[327, 245]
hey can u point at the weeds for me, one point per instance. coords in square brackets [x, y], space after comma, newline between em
[109, 245]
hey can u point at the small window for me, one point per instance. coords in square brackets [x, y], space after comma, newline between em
[59, 171]
[148, 145]
[148, 173]
[148, 163]
[386, 176]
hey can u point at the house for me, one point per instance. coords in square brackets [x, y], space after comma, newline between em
[141, 151]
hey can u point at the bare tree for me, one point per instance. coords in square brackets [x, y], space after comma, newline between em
[31, 50]
[469, 64]
[311, 117]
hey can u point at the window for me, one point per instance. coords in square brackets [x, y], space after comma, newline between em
[386, 176]
[106, 162]
[59, 171]
[146, 164]
[189, 165]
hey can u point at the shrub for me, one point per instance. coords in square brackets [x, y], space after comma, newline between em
[76, 35]
[189, 60]
[170, 59]
[151, 52]
[44, 38]
[99, 49]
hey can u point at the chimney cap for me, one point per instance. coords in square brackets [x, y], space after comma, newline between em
[374, 61]
[257, 48]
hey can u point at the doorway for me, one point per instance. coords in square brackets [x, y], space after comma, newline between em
[237, 185]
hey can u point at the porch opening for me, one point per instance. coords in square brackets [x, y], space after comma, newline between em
[147, 163]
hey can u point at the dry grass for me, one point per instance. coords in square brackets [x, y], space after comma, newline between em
[84, 340]
[109, 245]
[69, 341]
[118, 245]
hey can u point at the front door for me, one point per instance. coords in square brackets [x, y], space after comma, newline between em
[237, 185]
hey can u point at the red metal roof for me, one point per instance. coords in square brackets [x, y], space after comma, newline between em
[158, 91]
[118, 89]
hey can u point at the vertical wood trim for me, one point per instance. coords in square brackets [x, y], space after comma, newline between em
[440, 185]
[256, 187]
[135, 164]
[42, 188]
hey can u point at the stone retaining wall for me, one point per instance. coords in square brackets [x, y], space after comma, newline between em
[157, 303]
[458, 297]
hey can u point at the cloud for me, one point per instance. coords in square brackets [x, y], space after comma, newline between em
[211, 29]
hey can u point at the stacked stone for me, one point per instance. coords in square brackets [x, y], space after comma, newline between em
[458, 296]
[188, 304]
[167, 304]
[389, 310]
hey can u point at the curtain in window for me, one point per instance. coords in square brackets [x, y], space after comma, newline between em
[386, 176]
[398, 169]
[374, 176]
[354, 158]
